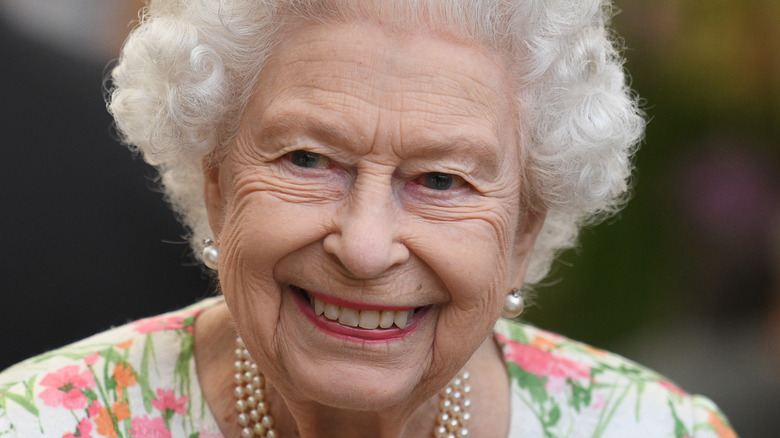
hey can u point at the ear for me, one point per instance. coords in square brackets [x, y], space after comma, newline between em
[213, 195]
[524, 245]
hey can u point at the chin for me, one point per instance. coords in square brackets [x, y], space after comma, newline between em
[346, 386]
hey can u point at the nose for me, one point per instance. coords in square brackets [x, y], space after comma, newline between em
[367, 240]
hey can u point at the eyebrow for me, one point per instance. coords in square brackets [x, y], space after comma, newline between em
[328, 132]
[340, 132]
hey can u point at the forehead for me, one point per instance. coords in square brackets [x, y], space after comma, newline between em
[361, 79]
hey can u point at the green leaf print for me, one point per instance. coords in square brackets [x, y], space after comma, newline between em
[531, 382]
[182, 370]
[553, 416]
[680, 431]
[23, 402]
[580, 395]
[143, 376]
[91, 395]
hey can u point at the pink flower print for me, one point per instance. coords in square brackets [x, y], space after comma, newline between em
[64, 387]
[145, 427]
[83, 430]
[555, 385]
[168, 403]
[599, 403]
[542, 363]
[671, 387]
[165, 322]
[92, 358]
[93, 409]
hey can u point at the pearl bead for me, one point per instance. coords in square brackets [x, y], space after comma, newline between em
[259, 429]
[247, 433]
[211, 256]
[243, 419]
[271, 434]
[267, 421]
[513, 305]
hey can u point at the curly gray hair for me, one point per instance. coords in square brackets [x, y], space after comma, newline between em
[188, 70]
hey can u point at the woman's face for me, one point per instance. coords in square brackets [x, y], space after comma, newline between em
[374, 182]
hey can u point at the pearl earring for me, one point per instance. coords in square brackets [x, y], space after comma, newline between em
[210, 254]
[513, 304]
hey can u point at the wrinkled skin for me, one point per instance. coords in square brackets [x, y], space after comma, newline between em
[408, 197]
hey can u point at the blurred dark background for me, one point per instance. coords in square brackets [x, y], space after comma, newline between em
[90, 243]
[686, 280]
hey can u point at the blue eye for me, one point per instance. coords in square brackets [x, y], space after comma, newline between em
[306, 159]
[438, 181]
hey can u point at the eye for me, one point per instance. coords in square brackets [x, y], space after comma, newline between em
[441, 181]
[308, 160]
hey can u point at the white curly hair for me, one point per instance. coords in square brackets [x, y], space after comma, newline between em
[187, 71]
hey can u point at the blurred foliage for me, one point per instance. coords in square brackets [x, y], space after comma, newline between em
[708, 72]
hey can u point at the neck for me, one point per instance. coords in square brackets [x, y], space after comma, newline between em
[214, 347]
[322, 421]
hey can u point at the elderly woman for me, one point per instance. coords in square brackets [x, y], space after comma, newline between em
[373, 183]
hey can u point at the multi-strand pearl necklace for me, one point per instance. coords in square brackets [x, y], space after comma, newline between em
[255, 418]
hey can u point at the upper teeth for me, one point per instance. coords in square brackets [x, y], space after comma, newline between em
[367, 319]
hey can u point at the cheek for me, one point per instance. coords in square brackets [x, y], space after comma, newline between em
[471, 257]
[262, 226]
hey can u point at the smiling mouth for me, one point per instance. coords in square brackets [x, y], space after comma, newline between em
[369, 319]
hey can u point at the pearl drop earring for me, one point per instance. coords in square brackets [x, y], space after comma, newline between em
[210, 254]
[513, 304]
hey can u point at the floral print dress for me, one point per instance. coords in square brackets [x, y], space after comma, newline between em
[139, 381]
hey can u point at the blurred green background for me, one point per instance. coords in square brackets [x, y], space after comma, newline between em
[686, 279]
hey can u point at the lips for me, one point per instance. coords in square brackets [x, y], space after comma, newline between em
[362, 321]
